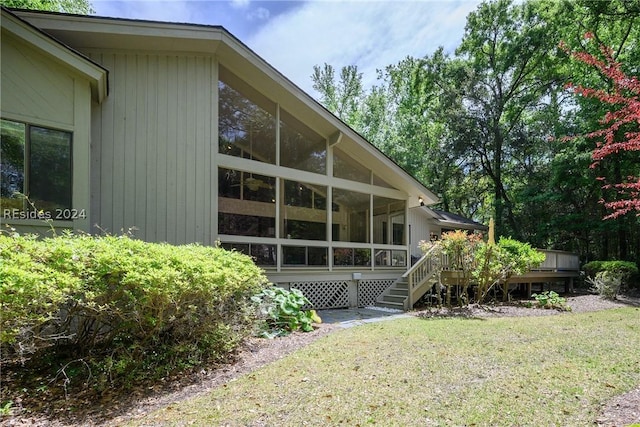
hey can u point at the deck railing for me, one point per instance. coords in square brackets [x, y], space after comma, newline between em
[420, 274]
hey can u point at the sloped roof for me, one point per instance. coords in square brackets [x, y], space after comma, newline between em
[451, 220]
[87, 32]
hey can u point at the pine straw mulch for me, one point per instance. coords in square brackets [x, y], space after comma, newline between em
[114, 410]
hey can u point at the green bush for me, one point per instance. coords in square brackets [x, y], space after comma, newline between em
[624, 271]
[283, 311]
[127, 309]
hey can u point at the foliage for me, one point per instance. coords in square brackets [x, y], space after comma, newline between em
[478, 125]
[624, 268]
[82, 7]
[622, 134]
[550, 299]
[481, 264]
[123, 309]
[606, 284]
[283, 311]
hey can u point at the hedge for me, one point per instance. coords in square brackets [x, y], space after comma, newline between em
[127, 309]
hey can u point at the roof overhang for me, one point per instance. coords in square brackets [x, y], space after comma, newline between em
[68, 57]
[448, 220]
[90, 32]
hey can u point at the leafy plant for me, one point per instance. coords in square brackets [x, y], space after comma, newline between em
[283, 311]
[5, 409]
[606, 284]
[551, 300]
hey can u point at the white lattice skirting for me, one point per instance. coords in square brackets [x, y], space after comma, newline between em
[370, 290]
[342, 293]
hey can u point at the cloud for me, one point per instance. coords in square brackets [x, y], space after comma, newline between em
[240, 4]
[259, 14]
[369, 34]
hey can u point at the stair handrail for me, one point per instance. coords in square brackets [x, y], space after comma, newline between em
[421, 271]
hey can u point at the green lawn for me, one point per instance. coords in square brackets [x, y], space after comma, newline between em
[537, 371]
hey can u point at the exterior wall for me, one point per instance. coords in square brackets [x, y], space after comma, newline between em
[421, 228]
[39, 91]
[154, 153]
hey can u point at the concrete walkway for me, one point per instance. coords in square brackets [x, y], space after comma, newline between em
[349, 317]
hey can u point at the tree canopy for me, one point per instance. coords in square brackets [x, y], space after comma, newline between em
[82, 7]
[483, 126]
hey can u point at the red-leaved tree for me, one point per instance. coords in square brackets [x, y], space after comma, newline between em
[622, 126]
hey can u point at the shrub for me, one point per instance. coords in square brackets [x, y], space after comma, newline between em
[622, 271]
[128, 310]
[606, 284]
[483, 265]
[625, 268]
[283, 311]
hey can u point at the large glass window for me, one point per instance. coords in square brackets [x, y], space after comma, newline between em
[303, 212]
[388, 221]
[263, 255]
[351, 221]
[246, 203]
[351, 257]
[304, 256]
[390, 258]
[246, 120]
[35, 161]
[300, 147]
[345, 166]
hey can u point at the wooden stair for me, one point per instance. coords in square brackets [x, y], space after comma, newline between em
[412, 285]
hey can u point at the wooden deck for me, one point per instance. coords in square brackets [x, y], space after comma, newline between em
[420, 278]
[557, 266]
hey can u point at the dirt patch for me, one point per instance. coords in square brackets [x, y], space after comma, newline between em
[113, 410]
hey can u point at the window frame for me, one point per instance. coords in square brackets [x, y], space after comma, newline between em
[56, 214]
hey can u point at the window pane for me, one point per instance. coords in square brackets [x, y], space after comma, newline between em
[351, 221]
[351, 257]
[12, 142]
[50, 169]
[264, 255]
[317, 256]
[388, 211]
[390, 258]
[342, 257]
[246, 203]
[303, 212]
[246, 120]
[381, 182]
[346, 167]
[300, 147]
[294, 255]
[246, 225]
[236, 184]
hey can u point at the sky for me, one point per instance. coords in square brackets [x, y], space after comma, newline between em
[293, 36]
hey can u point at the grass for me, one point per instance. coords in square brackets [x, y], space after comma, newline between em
[542, 371]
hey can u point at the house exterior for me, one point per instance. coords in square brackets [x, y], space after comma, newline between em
[180, 133]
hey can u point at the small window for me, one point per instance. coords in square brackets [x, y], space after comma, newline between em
[36, 162]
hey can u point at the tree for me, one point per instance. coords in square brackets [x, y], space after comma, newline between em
[82, 7]
[622, 134]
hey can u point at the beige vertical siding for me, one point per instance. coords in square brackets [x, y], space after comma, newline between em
[153, 140]
[420, 229]
[37, 90]
[34, 88]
